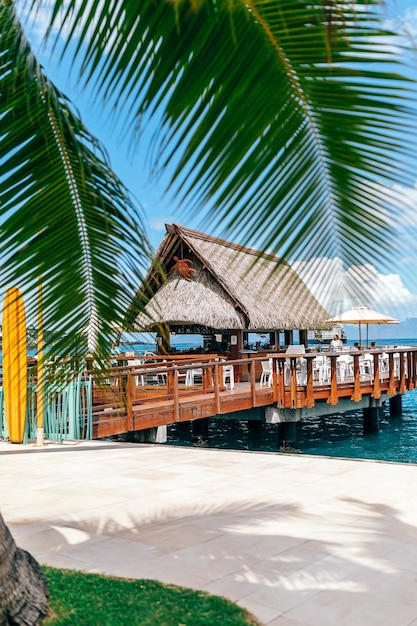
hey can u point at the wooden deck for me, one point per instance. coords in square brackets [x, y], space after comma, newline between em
[134, 398]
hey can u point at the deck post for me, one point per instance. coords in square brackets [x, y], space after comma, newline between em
[371, 416]
[217, 388]
[279, 389]
[403, 387]
[309, 388]
[199, 429]
[130, 392]
[252, 378]
[414, 368]
[396, 406]
[176, 396]
[255, 427]
[287, 434]
[377, 387]
[357, 394]
[410, 373]
[333, 397]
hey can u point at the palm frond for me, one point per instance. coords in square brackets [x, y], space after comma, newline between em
[287, 119]
[65, 216]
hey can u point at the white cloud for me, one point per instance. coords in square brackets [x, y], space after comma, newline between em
[338, 289]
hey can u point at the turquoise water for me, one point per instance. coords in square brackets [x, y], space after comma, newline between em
[339, 435]
[342, 435]
[141, 348]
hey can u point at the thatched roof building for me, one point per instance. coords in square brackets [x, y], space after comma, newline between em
[229, 287]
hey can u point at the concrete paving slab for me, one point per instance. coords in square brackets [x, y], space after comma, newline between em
[296, 539]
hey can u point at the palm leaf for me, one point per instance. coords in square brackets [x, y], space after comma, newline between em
[285, 119]
[64, 214]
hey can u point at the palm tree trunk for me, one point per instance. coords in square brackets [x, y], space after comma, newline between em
[23, 587]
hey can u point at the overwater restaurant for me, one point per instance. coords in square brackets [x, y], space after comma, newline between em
[240, 300]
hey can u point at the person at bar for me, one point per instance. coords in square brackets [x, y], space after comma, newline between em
[336, 344]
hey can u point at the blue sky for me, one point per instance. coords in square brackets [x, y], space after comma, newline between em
[395, 292]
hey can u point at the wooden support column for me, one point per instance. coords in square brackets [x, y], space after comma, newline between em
[252, 375]
[414, 368]
[279, 365]
[304, 338]
[274, 365]
[176, 395]
[288, 337]
[207, 378]
[293, 381]
[310, 388]
[170, 381]
[200, 429]
[414, 361]
[410, 377]
[396, 406]
[287, 434]
[403, 387]
[371, 419]
[235, 353]
[377, 387]
[333, 398]
[391, 385]
[216, 388]
[163, 339]
[357, 394]
[277, 339]
[130, 391]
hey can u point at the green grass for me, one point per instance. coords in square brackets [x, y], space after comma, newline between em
[77, 598]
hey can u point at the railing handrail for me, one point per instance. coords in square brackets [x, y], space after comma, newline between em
[170, 399]
[206, 362]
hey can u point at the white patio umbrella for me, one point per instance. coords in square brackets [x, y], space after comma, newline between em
[362, 315]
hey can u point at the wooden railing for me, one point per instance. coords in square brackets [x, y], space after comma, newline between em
[399, 376]
[153, 394]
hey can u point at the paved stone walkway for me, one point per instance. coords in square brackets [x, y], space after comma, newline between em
[297, 540]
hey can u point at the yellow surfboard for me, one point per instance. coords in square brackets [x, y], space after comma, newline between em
[14, 351]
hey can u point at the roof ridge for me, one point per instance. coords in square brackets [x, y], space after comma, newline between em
[172, 228]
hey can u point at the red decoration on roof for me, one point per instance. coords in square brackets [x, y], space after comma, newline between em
[182, 267]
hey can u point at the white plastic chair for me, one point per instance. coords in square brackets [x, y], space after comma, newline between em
[301, 371]
[266, 376]
[301, 364]
[158, 378]
[228, 376]
[192, 374]
[321, 369]
[344, 368]
[383, 366]
[366, 366]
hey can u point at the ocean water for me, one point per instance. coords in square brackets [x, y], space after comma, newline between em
[141, 348]
[339, 435]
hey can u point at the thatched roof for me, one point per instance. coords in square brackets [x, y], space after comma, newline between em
[233, 287]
